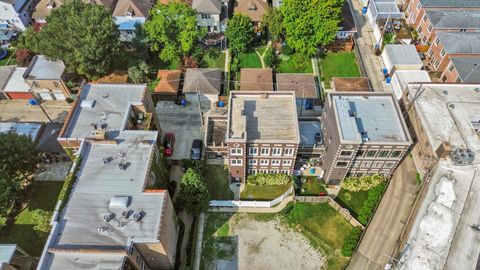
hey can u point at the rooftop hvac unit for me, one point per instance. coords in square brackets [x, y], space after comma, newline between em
[463, 156]
[108, 217]
[137, 216]
[119, 202]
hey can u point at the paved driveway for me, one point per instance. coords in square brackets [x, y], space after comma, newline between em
[184, 122]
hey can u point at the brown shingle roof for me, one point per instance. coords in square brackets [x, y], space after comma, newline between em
[256, 79]
[252, 8]
[302, 84]
[138, 8]
[169, 81]
[110, 4]
[359, 84]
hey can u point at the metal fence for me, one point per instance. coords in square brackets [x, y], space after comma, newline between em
[251, 204]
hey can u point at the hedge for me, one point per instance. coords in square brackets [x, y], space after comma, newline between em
[374, 196]
[264, 179]
[363, 183]
[351, 241]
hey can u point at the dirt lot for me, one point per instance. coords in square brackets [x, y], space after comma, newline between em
[245, 243]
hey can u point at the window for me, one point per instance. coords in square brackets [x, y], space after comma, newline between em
[236, 162]
[206, 16]
[341, 164]
[236, 151]
[450, 67]
[424, 18]
[265, 151]
[253, 151]
[442, 52]
[430, 28]
[355, 164]
[419, 6]
[252, 171]
[287, 172]
[430, 52]
[395, 153]
[252, 162]
[360, 153]
[274, 171]
[262, 171]
[345, 153]
[437, 40]
[377, 164]
[419, 29]
[365, 164]
[389, 164]
[436, 62]
[288, 152]
[264, 162]
[275, 162]
[458, 80]
[276, 151]
[383, 153]
[360, 174]
[287, 162]
[371, 153]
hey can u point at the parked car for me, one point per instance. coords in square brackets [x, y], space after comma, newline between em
[196, 153]
[168, 143]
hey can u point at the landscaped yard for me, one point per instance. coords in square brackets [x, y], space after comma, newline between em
[41, 195]
[352, 200]
[249, 60]
[214, 60]
[300, 231]
[342, 64]
[295, 63]
[5, 60]
[158, 64]
[266, 192]
[217, 182]
[312, 187]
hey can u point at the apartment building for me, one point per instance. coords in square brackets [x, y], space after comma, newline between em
[262, 133]
[113, 219]
[364, 133]
[463, 70]
[16, 14]
[105, 111]
[416, 9]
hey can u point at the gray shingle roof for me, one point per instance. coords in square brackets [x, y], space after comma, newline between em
[207, 6]
[468, 69]
[470, 42]
[456, 19]
[204, 80]
[450, 3]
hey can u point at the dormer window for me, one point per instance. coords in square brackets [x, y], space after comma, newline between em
[50, 4]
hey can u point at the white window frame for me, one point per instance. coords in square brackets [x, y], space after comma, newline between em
[274, 171]
[277, 151]
[253, 151]
[419, 6]
[275, 162]
[252, 171]
[252, 162]
[287, 172]
[265, 151]
[437, 40]
[264, 162]
[430, 28]
[236, 151]
[443, 52]
[288, 152]
[262, 171]
[345, 161]
[287, 162]
[377, 164]
[389, 164]
[236, 162]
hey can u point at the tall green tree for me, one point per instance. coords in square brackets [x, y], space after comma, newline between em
[274, 21]
[193, 195]
[239, 33]
[83, 36]
[9, 192]
[310, 23]
[172, 30]
[18, 154]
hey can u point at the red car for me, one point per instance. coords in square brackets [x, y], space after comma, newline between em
[168, 143]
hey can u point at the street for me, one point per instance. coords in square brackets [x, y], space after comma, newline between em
[387, 224]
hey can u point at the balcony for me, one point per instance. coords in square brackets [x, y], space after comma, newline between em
[140, 121]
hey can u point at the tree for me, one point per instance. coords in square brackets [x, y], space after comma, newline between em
[18, 154]
[193, 194]
[139, 73]
[23, 56]
[362, 183]
[41, 219]
[83, 36]
[172, 30]
[351, 241]
[310, 23]
[9, 192]
[239, 33]
[273, 20]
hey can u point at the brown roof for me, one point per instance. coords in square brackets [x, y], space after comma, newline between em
[256, 79]
[252, 8]
[138, 8]
[188, 2]
[110, 4]
[359, 84]
[203, 80]
[302, 84]
[118, 76]
[169, 81]
[44, 8]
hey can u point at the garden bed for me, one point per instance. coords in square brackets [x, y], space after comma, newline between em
[266, 192]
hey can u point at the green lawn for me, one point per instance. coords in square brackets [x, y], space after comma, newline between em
[217, 182]
[158, 64]
[312, 187]
[41, 195]
[249, 60]
[352, 200]
[342, 64]
[5, 60]
[216, 245]
[254, 192]
[214, 60]
[296, 63]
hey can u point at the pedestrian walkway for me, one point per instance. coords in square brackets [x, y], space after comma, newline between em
[279, 207]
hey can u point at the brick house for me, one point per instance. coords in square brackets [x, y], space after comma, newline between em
[364, 133]
[262, 133]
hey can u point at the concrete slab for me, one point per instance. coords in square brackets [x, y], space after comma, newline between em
[184, 122]
[56, 171]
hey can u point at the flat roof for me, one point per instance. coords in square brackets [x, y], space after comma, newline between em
[468, 68]
[31, 130]
[6, 252]
[470, 42]
[78, 260]
[111, 104]
[368, 117]
[302, 84]
[256, 79]
[97, 183]
[402, 54]
[168, 81]
[43, 69]
[450, 3]
[404, 77]
[263, 116]
[454, 18]
[16, 82]
[5, 72]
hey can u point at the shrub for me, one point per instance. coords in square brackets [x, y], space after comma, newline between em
[373, 197]
[41, 219]
[362, 183]
[270, 59]
[351, 242]
[139, 73]
[23, 57]
[286, 50]
[264, 179]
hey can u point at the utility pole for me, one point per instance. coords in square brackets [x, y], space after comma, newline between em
[38, 102]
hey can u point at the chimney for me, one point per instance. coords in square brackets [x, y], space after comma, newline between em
[444, 150]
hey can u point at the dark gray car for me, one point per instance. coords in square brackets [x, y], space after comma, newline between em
[196, 153]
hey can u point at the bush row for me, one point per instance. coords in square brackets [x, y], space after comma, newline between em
[351, 241]
[362, 183]
[374, 196]
[264, 179]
